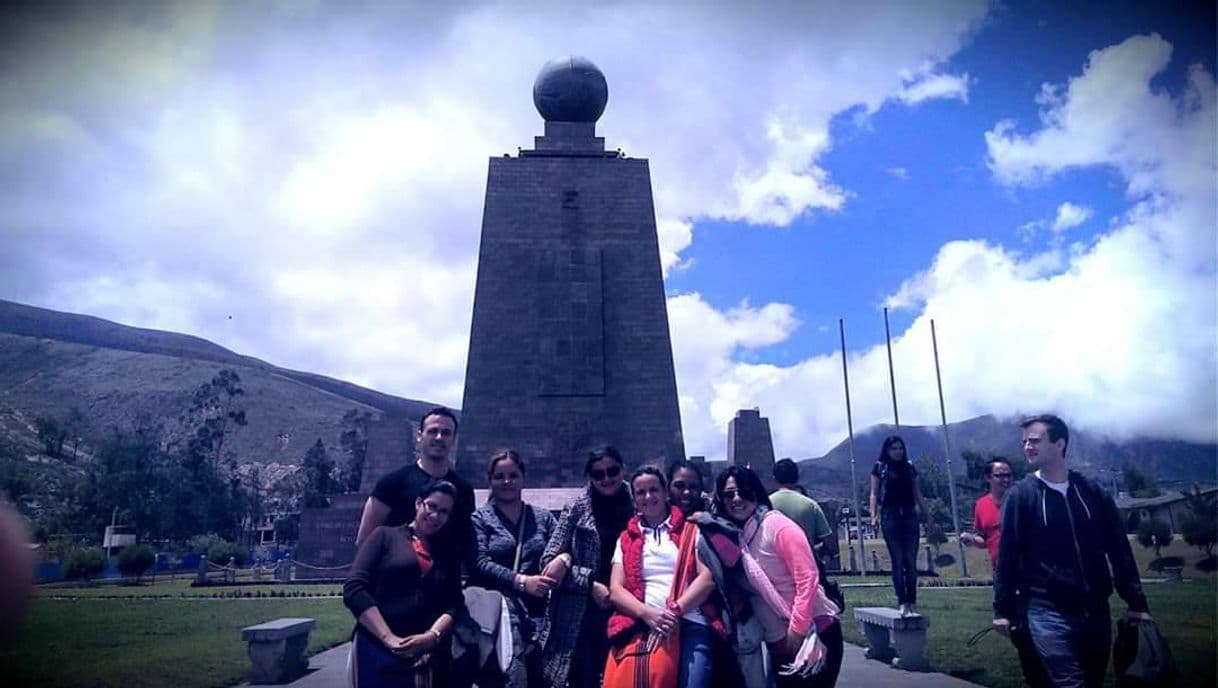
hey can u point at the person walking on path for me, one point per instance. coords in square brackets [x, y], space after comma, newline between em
[511, 536]
[1063, 547]
[895, 490]
[800, 508]
[987, 522]
[573, 637]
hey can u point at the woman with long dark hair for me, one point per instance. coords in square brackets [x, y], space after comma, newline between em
[685, 487]
[573, 638]
[511, 537]
[894, 493]
[404, 594]
[800, 621]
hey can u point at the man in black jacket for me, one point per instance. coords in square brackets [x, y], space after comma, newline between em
[1060, 534]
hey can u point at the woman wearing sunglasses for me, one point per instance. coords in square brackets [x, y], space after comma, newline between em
[577, 558]
[801, 626]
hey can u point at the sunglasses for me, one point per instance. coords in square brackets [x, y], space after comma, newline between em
[599, 475]
[1002, 476]
[729, 495]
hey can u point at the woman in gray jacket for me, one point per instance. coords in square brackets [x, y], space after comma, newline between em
[573, 637]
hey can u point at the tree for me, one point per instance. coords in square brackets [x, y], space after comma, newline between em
[1154, 533]
[287, 529]
[134, 560]
[1137, 483]
[354, 444]
[318, 471]
[52, 434]
[83, 563]
[220, 552]
[1200, 532]
[211, 503]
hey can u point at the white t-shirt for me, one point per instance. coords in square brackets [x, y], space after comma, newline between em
[1059, 487]
[659, 565]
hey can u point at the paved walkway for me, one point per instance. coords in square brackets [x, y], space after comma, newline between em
[326, 670]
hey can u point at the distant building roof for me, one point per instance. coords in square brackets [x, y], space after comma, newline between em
[1125, 501]
[549, 498]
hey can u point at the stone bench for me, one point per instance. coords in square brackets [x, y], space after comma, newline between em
[276, 649]
[893, 637]
[1173, 574]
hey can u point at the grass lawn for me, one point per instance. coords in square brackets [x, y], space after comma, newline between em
[979, 560]
[1185, 613]
[152, 642]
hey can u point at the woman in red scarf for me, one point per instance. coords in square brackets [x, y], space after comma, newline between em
[658, 587]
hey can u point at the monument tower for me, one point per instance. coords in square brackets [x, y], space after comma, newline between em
[569, 345]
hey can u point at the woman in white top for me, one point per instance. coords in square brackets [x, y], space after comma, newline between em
[645, 563]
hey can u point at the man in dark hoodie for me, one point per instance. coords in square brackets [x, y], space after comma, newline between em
[1060, 534]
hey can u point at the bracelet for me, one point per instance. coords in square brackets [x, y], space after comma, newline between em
[519, 582]
[436, 634]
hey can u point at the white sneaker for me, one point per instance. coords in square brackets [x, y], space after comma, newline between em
[913, 610]
[904, 610]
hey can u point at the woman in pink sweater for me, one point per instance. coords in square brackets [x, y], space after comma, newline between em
[800, 622]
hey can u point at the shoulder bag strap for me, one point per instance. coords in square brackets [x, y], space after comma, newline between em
[524, 513]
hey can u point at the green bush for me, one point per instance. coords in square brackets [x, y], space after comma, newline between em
[135, 560]
[1200, 532]
[84, 563]
[1154, 533]
[202, 544]
[220, 552]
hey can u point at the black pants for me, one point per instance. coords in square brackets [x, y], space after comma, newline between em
[900, 528]
[827, 676]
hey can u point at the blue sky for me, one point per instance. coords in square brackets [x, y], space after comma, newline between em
[303, 182]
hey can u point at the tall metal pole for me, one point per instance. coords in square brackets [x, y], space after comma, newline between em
[854, 488]
[947, 451]
[892, 380]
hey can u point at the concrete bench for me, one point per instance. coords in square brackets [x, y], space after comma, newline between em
[893, 637]
[276, 649]
[1173, 574]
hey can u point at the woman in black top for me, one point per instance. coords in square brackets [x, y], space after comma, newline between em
[573, 638]
[405, 598]
[497, 527]
[894, 490]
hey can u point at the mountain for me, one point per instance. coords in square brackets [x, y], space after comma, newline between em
[55, 364]
[1170, 462]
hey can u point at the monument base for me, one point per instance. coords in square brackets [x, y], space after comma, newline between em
[327, 538]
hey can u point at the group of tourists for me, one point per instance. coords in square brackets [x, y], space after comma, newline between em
[649, 579]
[646, 579]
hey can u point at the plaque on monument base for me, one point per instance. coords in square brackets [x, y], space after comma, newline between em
[327, 539]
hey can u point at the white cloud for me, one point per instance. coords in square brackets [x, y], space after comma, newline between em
[927, 84]
[1070, 216]
[898, 172]
[1117, 335]
[317, 171]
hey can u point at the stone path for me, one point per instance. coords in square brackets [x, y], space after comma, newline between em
[326, 670]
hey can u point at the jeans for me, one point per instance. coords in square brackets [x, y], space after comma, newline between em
[695, 666]
[1074, 647]
[900, 526]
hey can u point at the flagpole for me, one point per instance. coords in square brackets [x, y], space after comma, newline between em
[854, 489]
[892, 380]
[947, 449]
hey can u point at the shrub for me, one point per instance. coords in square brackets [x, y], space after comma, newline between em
[135, 560]
[202, 544]
[944, 559]
[1154, 533]
[220, 552]
[84, 563]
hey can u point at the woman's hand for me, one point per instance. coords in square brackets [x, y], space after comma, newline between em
[539, 586]
[418, 644]
[875, 520]
[600, 595]
[557, 568]
[661, 621]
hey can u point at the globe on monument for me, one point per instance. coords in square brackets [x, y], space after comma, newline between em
[570, 89]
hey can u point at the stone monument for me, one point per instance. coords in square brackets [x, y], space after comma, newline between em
[327, 535]
[569, 345]
[749, 444]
